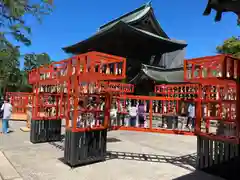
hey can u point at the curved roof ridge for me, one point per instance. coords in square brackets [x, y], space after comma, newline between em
[141, 10]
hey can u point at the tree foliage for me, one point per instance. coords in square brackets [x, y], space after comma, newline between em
[33, 60]
[13, 23]
[12, 78]
[13, 17]
[9, 65]
[230, 46]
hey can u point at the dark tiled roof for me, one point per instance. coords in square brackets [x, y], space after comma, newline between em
[93, 44]
[135, 16]
[129, 17]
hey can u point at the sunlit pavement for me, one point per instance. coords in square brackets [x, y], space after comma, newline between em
[131, 156]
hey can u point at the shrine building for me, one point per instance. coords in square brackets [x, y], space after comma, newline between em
[152, 56]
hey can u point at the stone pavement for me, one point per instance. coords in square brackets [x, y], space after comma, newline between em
[131, 155]
[7, 171]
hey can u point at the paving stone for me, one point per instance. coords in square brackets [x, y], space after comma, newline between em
[135, 155]
[7, 171]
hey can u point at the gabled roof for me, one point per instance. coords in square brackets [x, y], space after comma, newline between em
[174, 75]
[130, 17]
[136, 16]
[148, 43]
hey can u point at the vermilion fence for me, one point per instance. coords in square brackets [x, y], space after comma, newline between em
[149, 114]
[19, 101]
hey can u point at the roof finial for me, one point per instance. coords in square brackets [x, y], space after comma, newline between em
[149, 3]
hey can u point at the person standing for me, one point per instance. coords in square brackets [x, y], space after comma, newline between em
[113, 113]
[29, 114]
[141, 114]
[183, 115]
[191, 116]
[133, 114]
[7, 113]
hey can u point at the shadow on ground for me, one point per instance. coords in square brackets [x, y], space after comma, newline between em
[195, 175]
[187, 161]
[60, 145]
[229, 170]
[109, 139]
[9, 132]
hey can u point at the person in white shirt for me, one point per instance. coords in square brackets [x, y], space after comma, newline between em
[7, 113]
[113, 113]
[191, 116]
[133, 114]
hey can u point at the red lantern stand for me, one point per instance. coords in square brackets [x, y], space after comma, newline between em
[46, 117]
[86, 132]
[218, 77]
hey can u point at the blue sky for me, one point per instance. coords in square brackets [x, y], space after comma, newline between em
[76, 20]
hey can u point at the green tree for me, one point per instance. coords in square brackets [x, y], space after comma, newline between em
[22, 83]
[33, 60]
[16, 80]
[13, 21]
[13, 24]
[230, 46]
[9, 65]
